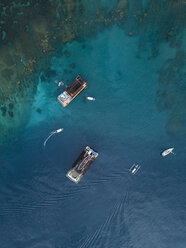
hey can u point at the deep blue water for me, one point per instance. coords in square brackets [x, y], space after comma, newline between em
[110, 207]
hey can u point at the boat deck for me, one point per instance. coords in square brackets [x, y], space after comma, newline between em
[82, 164]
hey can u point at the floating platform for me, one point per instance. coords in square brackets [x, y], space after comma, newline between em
[82, 164]
[72, 91]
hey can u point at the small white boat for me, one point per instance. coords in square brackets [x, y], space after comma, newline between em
[167, 151]
[59, 130]
[134, 168]
[90, 98]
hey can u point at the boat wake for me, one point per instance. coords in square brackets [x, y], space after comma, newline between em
[51, 134]
[102, 237]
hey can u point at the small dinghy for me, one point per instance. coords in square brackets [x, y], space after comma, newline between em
[167, 152]
[134, 168]
[90, 98]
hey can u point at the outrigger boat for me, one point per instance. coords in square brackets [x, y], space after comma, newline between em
[72, 91]
[134, 168]
[167, 151]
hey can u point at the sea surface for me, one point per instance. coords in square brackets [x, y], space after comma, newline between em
[135, 68]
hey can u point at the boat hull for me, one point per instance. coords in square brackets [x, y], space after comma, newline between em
[167, 152]
[82, 164]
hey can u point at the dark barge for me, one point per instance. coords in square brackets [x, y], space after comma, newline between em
[72, 91]
[82, 164]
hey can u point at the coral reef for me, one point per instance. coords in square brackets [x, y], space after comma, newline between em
[31, 31]
[171, 95]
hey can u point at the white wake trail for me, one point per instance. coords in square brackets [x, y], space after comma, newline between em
[51, 134]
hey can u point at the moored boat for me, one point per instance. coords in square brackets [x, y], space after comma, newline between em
[167, 151]
[82, 164]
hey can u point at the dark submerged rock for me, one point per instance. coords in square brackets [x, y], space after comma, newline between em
[11, 114]
[11, 105]
[3, 111]
[38, 110]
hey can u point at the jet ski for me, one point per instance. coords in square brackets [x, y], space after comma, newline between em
[167, 152]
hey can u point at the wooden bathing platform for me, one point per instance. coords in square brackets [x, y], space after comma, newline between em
[72, 91]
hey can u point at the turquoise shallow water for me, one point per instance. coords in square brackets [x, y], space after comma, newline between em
[40, 207]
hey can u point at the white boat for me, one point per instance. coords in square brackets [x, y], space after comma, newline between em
[134, 168]
[90, 98]
[59, 130]
[167, 151]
